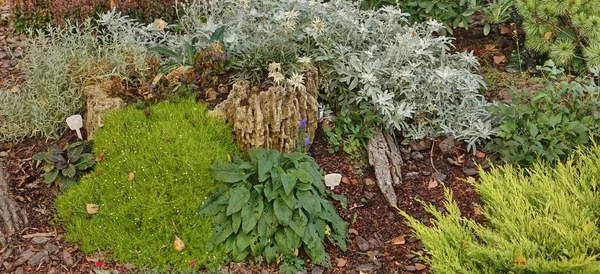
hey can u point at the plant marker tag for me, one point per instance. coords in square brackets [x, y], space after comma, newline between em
[75, 122]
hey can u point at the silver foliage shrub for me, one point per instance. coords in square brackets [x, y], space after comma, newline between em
[58, 63]
[375, 61]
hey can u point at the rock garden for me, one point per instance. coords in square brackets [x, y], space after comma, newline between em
[299, 136]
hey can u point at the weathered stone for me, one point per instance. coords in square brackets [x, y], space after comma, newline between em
[412, 175]
[366, 267]
[40, 240]
[3, 153]
[38, 258]
[96, 102]
[470, 171]
[420, 145]
[67, 258]
[363, 245]
[51, 248]
[317, 270]
[410, 268]
[417, 155]
[211, 94]
[271, 118]
[448, 145]
[438, 176]
[24, 257]
[20, 270]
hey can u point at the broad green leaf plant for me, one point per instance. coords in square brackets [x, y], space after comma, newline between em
[273, 205]
[64, 166]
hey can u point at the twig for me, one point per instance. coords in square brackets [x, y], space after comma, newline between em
[431, 156]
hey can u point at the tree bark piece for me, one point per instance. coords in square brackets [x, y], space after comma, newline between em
[385, 157]
[13, 217]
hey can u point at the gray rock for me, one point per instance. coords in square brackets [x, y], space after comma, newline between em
[426, 173]
[417, 155]
[40, 240]
[369, 195]
[317, 270]
[366, 267]
[24, 257]
[67, 258]
[410, 268]
[411, 175]
[363, 245]
[438, 176]
[51, 248]
[7, 266]
[418, 146]
[19, 270]
[448, 145]
[470, 171]
[374, 243]
[410, 256]
[38, 258]
[3, 153]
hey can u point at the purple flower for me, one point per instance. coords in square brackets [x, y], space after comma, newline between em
[303, 123]
[150, 85]
[306, 141]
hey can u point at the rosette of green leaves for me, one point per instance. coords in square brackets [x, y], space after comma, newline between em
[65, 166]
[273, 205]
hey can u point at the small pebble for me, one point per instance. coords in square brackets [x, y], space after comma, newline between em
[412, 175]
[417, 155]
[470, 171]
[410, 268]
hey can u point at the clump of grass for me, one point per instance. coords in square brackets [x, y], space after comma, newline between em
[169, 152]
[539, 220]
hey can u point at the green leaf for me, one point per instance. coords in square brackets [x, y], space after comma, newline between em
[303, 176]
[242, 241]
[287, 181]
[39, 156]
[70, 171]
[340, 198]
[282, 211]
[282, 243]
[236, 221]
[298, 223]
[270, 253]
[227, 172]
[167, 52]
[239, 196]
[217, 35]
[223, 234]
[486, 29]
[289, 200]
[308, 201]
[250, 218]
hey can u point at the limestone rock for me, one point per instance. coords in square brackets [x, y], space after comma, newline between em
[271, 118]
[96, 102]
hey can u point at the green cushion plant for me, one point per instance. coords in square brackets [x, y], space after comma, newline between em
[542, 219]
[272, 206]
[154, 175]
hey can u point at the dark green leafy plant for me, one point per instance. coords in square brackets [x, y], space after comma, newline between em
[453, 14]
[273, 205]
[65, 166]
[549, 123]
[497, 12]
[351, 132]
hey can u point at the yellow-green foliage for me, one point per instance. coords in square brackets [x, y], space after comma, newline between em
[547, 215]
[169, 153]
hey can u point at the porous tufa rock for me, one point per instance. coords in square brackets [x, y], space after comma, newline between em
[96, 102]
[271, 118]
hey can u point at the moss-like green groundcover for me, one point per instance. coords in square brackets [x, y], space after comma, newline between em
[169, 153]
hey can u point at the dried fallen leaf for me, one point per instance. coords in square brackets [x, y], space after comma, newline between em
[520, 260]
[353, 231]
[228, 157]
[490, 47]
[461, 25]
[43, 102]
[501, 59]
[178, 245]
[340, 262]
[353, 182]
[460, 159]
[479, 154]
[548, 35]
[20, 198]
[157, 78]
[477, 210]
[505, 30]
[399, 240]
[101, 157]
[420, 267]
[432, 184]
[370, 182]
[130, 176]
[91, 208]
[346, 180]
